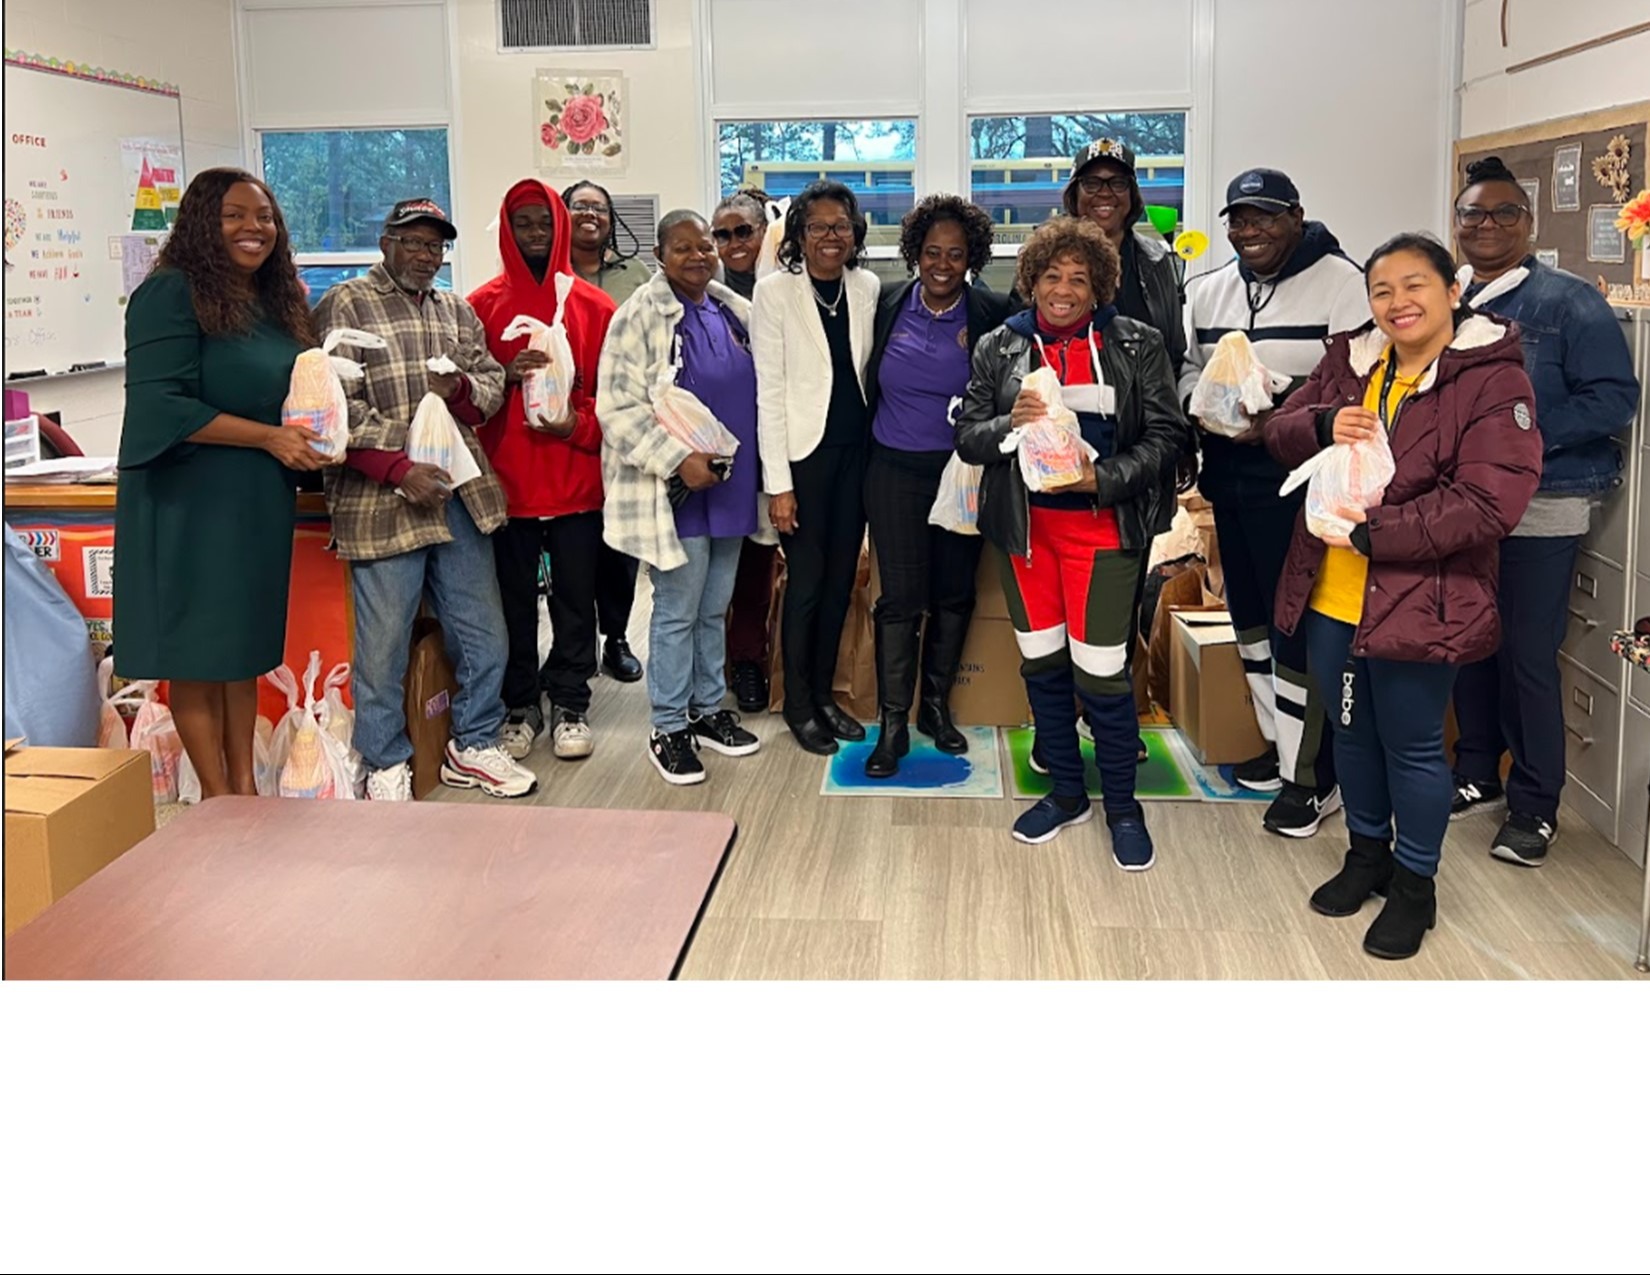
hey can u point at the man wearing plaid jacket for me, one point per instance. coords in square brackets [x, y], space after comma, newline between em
[403, 527]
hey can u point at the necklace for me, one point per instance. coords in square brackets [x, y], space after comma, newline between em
[931, 310]
[830, 307]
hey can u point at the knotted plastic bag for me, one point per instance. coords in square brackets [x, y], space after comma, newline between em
[685, 418]
[957, 504]
[767, 256]
[547, 391]
[1233, 388]
[1343, 479]
[154, 732]
[316, 765]
[338, 721]
[1051, 447]
[315, 397]
[433, 438]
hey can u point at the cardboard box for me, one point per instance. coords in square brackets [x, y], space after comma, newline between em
[430, 689]
[69, 813]
[1209, 693]
[989, 689]
[990, 602]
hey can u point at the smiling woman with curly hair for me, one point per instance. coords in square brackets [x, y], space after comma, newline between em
[926, 330]
[207, 491]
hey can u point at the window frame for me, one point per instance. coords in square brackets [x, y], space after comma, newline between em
[872, 251]
[1002, 248]
[363, 256]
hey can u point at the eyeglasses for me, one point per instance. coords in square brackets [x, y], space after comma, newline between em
[1117, 184]
[1504, 215]
[421, 247]
[723, 235]
[583, 209]
[1254, 221]
[829, 230]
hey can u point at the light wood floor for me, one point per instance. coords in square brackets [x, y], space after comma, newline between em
[877, 887]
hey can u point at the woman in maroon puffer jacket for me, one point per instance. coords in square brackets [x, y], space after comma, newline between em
[1396, 607]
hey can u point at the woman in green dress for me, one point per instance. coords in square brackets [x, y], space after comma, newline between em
[207, 492]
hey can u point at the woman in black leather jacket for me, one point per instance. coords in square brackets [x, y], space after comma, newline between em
[1073, 556]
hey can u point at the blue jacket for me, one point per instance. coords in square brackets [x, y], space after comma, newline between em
[1585, 390]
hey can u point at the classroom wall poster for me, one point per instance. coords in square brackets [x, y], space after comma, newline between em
[1606, 243]
[1532, 192]
[1567, 179]
[154, 183]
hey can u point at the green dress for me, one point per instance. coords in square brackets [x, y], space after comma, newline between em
[203, 533]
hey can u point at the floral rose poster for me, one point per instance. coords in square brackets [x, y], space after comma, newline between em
[582, 121]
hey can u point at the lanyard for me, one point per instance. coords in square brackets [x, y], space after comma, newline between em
[1387, 413]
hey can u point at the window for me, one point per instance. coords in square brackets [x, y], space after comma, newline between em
[363, 173]
[876, 159]
[1018, 165]
[576, 24]
[319, 278]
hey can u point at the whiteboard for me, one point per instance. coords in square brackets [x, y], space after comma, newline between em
[93, 174]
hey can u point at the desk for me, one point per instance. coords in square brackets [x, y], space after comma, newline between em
[260, 888]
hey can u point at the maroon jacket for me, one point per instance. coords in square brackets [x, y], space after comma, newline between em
[1468, 460]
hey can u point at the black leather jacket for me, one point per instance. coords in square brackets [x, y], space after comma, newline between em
[1164, 298]
[1137, 483]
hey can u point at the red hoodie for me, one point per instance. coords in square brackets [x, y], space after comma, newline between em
[544, 476]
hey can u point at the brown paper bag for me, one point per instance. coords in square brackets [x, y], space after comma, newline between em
[855, 682]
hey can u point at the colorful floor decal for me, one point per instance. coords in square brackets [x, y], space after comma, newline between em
[923, 772]
[1165, 775]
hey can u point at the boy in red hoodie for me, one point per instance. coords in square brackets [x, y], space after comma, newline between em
[551, 472]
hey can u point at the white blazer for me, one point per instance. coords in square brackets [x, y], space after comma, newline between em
[793, 364]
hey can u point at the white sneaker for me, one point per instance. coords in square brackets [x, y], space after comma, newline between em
[572, 735]
[394, 784]
[489, 769]
[521, 732]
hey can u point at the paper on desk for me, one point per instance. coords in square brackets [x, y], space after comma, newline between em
[66, 469]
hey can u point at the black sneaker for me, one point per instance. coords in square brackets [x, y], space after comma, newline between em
[750, 687]
[1472, 796]
[1298, 811]
[1259, 774]
[1523, 840]
[676, 756]
[721, 733]
[621, 665]
[1044, 821]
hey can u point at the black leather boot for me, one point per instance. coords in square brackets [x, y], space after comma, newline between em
[1367, 871]
[942, 646]
[896, 683]
[1411, 910]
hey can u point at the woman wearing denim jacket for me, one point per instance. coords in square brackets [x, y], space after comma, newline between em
[1585, 395]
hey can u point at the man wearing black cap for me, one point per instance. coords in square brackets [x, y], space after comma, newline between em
[1289, 288]
[404, 527]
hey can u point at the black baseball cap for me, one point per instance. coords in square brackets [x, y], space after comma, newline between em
[410, 210]
[1102, 148]
[1262, 188]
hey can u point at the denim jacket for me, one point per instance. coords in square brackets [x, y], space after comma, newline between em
[1585, 390]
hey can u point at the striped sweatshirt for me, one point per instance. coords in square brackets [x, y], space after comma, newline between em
[1288, 318]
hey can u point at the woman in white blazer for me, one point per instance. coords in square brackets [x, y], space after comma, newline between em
[811, 333]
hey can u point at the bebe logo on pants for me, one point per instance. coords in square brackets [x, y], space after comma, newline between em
[1348, 677]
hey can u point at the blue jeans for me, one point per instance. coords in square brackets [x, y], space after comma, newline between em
[687, 641]
[463, 588]
[1390, 756]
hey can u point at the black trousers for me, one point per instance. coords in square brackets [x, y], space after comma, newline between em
[1254, 541]
[615, 591]
[1514, 700]
[574, 543]
[821, 559]
[923, 568]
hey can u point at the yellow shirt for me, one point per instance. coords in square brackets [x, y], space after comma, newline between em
[1339, 591]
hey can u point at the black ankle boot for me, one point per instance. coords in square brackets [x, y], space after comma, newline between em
[1411, 910]
[1368, 870]
[893, 742]
[941, 654]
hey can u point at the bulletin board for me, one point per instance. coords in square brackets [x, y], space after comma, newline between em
[1578, 171]
[93, 177]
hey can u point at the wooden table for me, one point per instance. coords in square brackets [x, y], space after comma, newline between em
[260, 888]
